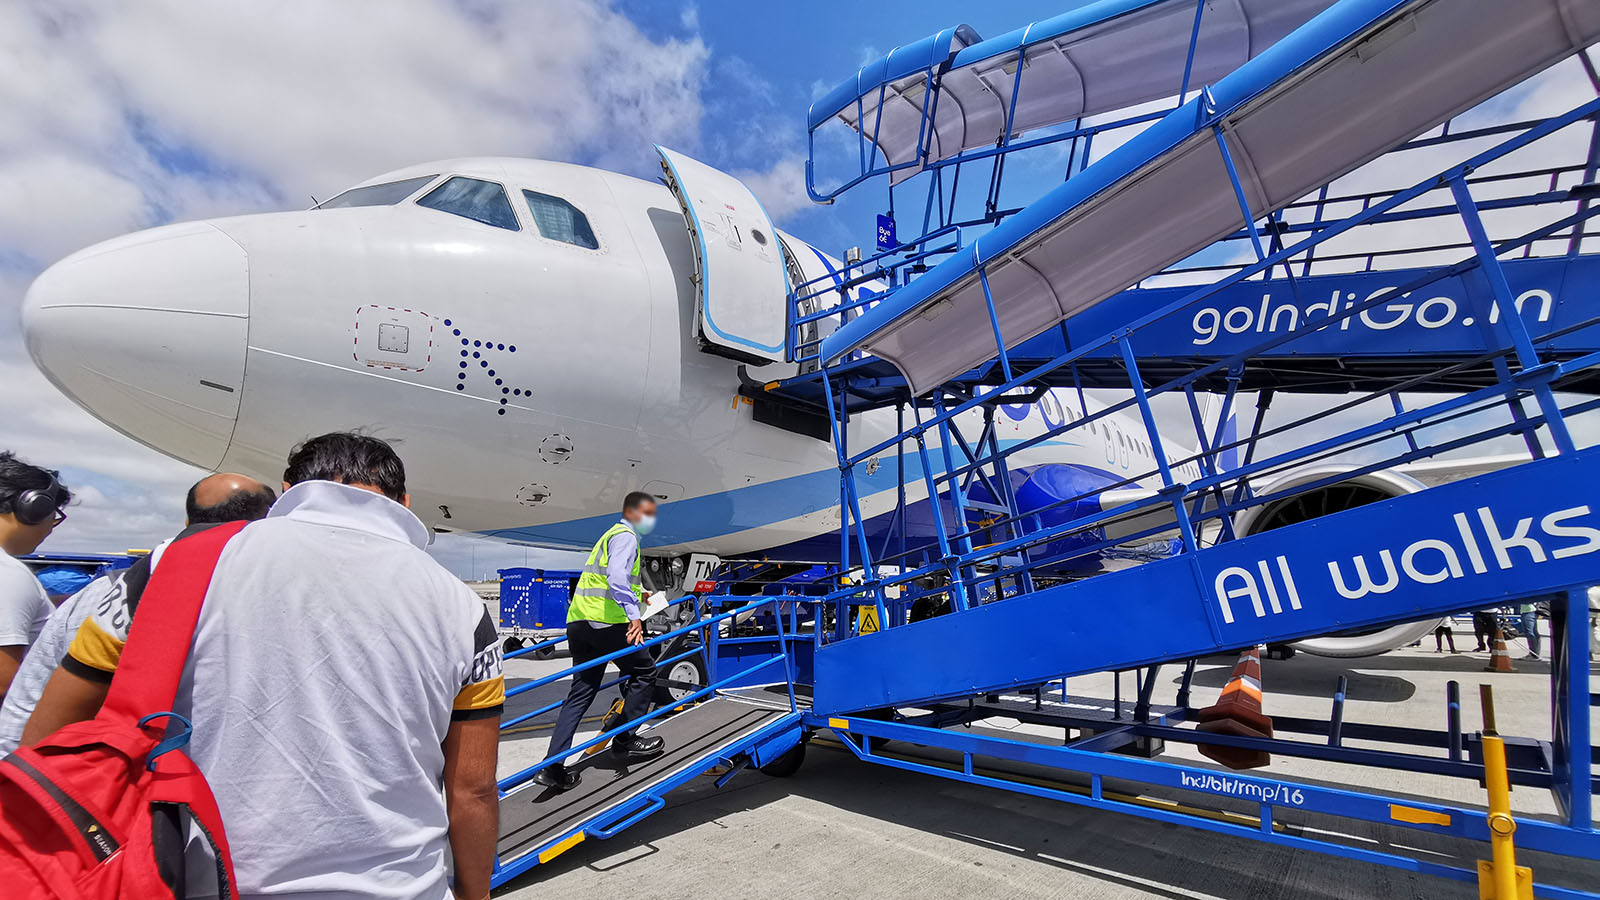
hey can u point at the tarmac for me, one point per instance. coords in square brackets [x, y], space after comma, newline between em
[841, 827]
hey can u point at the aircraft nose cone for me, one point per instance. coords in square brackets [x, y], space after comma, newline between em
[148, 333]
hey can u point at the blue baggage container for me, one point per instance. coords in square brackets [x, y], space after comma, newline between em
[534, 601]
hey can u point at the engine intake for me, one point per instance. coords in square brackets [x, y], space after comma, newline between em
[1358, 490]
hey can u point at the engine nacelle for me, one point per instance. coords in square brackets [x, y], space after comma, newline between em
[1358, 490]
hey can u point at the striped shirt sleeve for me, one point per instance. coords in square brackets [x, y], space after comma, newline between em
[483, 689]
[96, 649]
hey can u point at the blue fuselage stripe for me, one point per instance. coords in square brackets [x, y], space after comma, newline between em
[746, 508]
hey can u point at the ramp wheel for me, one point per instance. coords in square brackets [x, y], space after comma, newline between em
[544, 653]
[511, 645]
[788, 763]
[681, 679]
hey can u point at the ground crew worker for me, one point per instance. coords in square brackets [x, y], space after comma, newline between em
[344, 766]
[212, 501]
[604, 617]
[32, 504]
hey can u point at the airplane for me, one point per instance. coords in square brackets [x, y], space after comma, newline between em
[538, 339]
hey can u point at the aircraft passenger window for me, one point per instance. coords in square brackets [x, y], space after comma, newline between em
[559, 220]
[480, 201]
[386, 194]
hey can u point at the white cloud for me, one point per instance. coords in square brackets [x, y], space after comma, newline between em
[480, 558]
[120, 116]
[781, 188]
[51, 205]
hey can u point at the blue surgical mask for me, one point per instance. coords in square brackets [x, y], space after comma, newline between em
[645, 525]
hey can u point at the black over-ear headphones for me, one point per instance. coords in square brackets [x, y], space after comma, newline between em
[39, 505]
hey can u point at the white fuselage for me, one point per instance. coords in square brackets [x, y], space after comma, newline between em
[223, 343]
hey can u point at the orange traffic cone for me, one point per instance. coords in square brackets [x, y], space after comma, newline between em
[1499, 659]
[1238, 712]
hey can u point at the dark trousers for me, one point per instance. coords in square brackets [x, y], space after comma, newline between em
[587, 641]
[1483, 628]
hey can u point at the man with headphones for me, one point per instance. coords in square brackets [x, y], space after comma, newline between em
[32, 504]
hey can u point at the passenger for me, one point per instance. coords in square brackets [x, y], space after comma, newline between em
[604, 618]
[1442, 634]
[1483, 627]
[338, 680]
[32, 504]
[1530, 628]
[213, 500]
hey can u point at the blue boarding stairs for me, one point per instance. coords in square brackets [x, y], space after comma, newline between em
[1234, 245]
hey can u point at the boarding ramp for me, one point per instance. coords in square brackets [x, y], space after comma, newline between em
[747, 717]
[1115, 280]
[961, 317]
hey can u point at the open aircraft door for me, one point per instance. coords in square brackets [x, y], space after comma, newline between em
[741, 283]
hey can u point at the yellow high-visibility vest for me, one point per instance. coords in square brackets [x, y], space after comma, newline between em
[592, 600]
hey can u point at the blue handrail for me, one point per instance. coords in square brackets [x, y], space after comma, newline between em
[524, 775]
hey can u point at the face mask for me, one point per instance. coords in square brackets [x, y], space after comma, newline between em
[645, 525]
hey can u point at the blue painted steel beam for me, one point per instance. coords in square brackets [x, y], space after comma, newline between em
[1289, 583]
[1267, 791]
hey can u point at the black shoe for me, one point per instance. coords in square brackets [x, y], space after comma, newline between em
[635, 747]
[556, 776]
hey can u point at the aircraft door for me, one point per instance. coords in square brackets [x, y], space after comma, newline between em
[742, 283]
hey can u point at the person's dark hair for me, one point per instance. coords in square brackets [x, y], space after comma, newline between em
[636, 499]
[348, 458]
[241, 506]
[18, 477]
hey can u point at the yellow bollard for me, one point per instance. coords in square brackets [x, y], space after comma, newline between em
[1501, 878]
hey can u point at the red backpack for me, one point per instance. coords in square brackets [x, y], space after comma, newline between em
[98, 809]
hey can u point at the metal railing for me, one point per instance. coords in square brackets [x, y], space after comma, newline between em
[704, 628]
[1513, 374]
[822, 304]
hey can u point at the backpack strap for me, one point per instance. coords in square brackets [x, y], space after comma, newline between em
[147, 676]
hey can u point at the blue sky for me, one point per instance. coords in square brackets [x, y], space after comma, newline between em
[769, 61]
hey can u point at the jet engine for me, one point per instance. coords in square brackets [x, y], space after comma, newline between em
[1358, 490]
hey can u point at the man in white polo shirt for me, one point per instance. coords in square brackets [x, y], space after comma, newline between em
[32, 501]
[339, 677]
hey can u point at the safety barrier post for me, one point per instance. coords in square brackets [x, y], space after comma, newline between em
[1501, 878]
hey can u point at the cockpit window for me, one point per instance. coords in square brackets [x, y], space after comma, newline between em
[559, 220]
[386, 194]
[481, 201]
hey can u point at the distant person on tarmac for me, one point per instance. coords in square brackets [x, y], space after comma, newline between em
[345, 692]
[32, 503]
[1484, 622]
[1442, 634]
[1530, 628]
[215, 499]
[603, 618]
